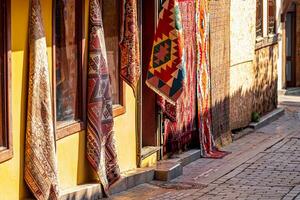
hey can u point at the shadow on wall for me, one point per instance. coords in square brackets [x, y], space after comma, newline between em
[258, 93]
[220, 69]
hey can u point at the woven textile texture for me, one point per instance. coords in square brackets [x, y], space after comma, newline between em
[204, 82]
[101, 151]
[40, 171]
[180, 119]
[219, 11]
[129, 45]
[166, 68]
[192, 110]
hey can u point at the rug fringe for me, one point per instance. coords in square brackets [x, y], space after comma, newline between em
[171, 101]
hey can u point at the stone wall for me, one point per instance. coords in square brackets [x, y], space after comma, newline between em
[265, 84]
[253, 72]
[220, 68]
[242, 45]
[253, 87]
[241, 84]
[242, 31]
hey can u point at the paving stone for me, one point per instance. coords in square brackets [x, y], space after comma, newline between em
[254, 177]
[264, 165]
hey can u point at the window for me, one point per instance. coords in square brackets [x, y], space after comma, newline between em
[6, 151]
[69, 73]
[111, 22]
[271, 16]
[265, 23]
[110, 12]
[259, 18]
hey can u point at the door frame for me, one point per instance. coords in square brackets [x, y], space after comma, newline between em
[292, 58]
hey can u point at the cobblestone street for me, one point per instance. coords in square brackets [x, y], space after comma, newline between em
[263, 165]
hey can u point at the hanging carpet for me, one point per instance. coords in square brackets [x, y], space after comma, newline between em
[129, 44]
[40, 172]
[189, 117]
[101, 151]
[166, 69]
[179, 122]
[207, 142]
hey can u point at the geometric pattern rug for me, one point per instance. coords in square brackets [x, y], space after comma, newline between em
[166, 69]
[40, 167]
[101, 151]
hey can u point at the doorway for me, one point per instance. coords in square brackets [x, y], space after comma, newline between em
[291, 49]
[150, 137]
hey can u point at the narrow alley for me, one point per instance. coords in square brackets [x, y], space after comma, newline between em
[149, 99]
[263, 165]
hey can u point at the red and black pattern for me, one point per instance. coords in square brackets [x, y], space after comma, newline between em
[180, 122]
[101, 151]
[166, 70]
[129, 44]
[207, 143]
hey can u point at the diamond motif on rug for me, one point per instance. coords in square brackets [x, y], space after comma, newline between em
[162, 53]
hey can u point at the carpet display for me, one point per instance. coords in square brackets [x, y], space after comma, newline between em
[204, 83]
[192, 110]
[101, 151]
[219, 11]
[166, 68]
[180, 123]
[40, 172]
[129, 44]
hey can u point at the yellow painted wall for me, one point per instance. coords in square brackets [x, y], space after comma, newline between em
[72, 165]
[149, 161]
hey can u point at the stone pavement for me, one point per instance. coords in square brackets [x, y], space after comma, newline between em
[263, 165]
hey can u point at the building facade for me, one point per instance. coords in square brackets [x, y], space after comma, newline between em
[288, 70]
[246, 56]
[73, 168]
[254, 58]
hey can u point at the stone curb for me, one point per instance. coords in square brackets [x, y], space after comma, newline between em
[267, 119]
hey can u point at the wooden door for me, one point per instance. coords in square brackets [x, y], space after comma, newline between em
[149, 114]
[291, 49]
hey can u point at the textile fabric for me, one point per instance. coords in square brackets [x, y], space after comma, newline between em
[219, 11]
[180, 121]
[129, 45]
[101, 151]
[204, 83]
[166, 68]
[192, 111]
[40, 171]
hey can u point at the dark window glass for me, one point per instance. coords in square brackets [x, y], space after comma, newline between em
[67, 60]
[259, 18]
[111, 17]
[271, 16]
[6, 150]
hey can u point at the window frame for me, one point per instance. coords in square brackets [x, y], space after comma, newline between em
[120, 109]
[268, 17]
[261, 19]
[6, 152]
[79, 125]
[267, 38]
